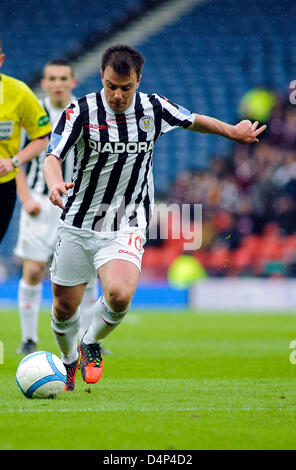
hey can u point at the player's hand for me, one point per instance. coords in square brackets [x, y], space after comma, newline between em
[32, 207]
[56, 191]
[245, 132]
[6, 166]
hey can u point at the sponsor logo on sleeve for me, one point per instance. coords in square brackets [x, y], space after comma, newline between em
[184, 110]
[54, 141]
[43, 121]
[180, 108]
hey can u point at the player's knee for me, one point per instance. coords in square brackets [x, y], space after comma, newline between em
[119, 298]
[64, 309]
[66, 300]
[33, 274]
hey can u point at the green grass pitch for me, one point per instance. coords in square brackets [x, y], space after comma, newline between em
[174, 381]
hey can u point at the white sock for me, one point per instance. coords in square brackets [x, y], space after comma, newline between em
[65, 334]
[104, 321]
[29, 299]
[87, 306]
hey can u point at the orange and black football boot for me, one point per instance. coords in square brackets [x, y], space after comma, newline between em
[71, 373]
[91, 364]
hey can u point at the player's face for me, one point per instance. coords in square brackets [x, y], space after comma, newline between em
[119, 91]
[59, 83]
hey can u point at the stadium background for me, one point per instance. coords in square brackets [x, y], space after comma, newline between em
[223, 58]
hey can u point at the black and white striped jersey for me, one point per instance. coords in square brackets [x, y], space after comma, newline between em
[113, 181]
[35, 179]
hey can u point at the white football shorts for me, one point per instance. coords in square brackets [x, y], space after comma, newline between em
[80, 252]
[38, 234]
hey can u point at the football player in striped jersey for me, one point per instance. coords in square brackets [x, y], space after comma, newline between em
[109, 201]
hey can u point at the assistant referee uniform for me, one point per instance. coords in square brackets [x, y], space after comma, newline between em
[19, 107]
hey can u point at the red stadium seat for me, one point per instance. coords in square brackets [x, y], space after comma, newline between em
[289, 248]
[241, 258]
[219, 258]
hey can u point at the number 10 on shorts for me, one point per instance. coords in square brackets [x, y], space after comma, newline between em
[135, 241]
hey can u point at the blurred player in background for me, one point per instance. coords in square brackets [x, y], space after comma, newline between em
[19, 107]
[110, 200]
[39, 218]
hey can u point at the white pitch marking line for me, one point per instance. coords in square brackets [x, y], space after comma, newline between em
[86, 410]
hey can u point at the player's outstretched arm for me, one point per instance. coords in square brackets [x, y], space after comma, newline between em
[53, 176]
[245, 132]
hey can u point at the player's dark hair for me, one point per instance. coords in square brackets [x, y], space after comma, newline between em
[59, 61]
[123, 59]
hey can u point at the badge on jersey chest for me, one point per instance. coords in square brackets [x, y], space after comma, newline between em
[146, 123]
[6, 128]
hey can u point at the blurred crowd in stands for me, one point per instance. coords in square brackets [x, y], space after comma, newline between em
[248, 205]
